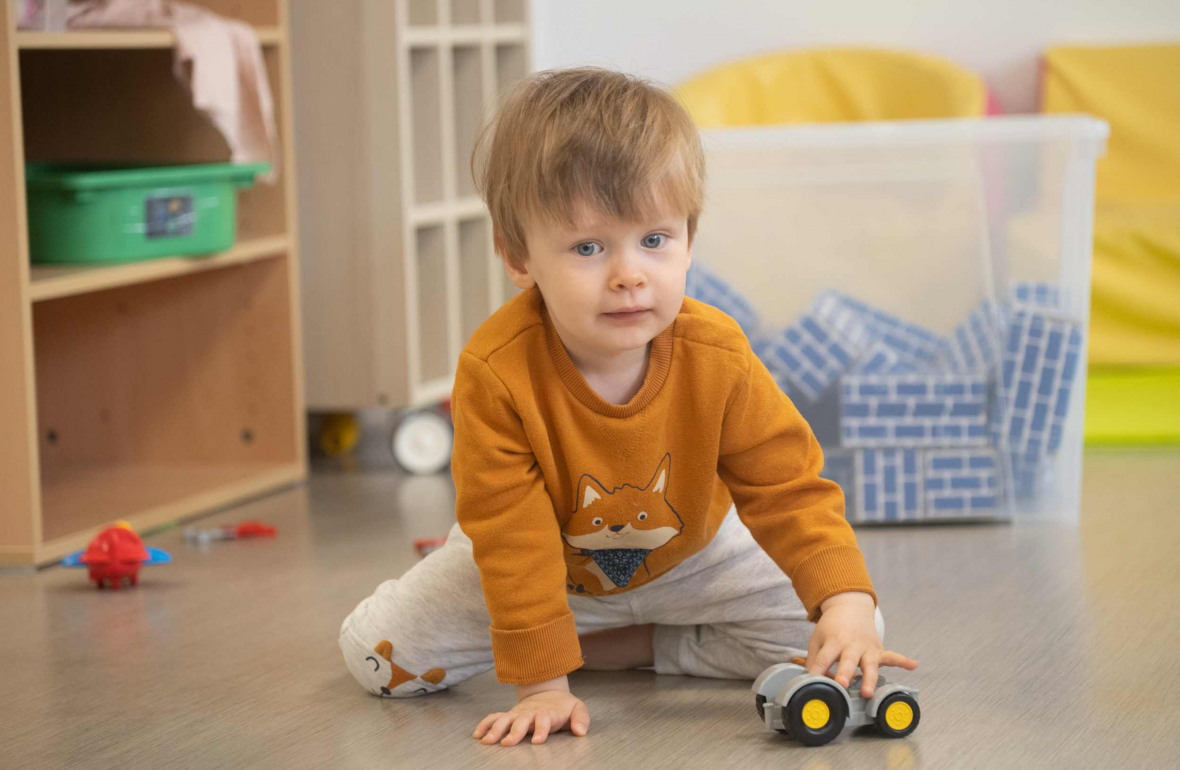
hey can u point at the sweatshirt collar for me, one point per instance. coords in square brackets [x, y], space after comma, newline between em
[659, 362]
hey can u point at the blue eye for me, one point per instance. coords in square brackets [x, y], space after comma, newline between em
[649, 244]
[587, 249]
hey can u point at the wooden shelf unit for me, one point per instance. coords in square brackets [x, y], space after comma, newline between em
[152, 391]
[398, 266]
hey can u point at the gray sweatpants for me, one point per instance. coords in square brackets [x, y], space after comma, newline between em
[726, 612]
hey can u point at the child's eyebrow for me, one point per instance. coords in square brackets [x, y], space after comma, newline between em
[596, 228]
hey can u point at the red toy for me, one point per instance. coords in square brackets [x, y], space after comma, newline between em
[116, 554]
[228, 532]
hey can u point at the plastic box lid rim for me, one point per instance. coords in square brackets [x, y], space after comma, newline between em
[1084, 129]
[100, 176]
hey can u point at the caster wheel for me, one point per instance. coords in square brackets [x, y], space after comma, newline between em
[898, 715]
[422, 442]
[816, 714]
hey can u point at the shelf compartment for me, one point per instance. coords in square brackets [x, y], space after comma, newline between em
[469, 111]
[465, 11]
[80, 498]
[425, 133]
[511, 66]
[62, 90]
[422, 12]
[194, 370]
[434, 358]
[509, 10]
[52, 282]
[474, 266]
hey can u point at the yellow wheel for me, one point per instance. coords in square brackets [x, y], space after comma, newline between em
[339, 433]
[816, 713]
[898, 715]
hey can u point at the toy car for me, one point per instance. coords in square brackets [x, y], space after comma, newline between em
[813, 709]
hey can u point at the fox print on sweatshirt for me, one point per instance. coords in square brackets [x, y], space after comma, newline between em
[612, 531]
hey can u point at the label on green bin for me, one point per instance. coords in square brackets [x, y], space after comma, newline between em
[169, 216]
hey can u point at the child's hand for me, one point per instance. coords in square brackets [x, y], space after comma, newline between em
[544, 712]
[847, 632]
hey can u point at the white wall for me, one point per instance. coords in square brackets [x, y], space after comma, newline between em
[669, 40]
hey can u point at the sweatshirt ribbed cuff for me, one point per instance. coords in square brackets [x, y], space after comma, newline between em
[531, 655]
[832, 571]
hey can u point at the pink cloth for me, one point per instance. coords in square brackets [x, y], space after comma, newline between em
[227, 76]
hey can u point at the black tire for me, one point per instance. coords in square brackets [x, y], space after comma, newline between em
[833, 706]
[904, 722]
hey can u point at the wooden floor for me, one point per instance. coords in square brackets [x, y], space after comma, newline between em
[1040, 646]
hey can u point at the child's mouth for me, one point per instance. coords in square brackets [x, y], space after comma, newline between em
[627, 315]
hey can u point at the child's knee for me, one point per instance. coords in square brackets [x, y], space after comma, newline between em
[373, 664]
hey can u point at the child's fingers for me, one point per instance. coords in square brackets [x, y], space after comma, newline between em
[485, 723]
[519, 729]
[579, 719]
[848, 660]
[868, 669]
[821, 661]
[541, 728]
[891, 658]
[498, 727]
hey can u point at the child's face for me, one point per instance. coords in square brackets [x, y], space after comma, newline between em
[590, 274]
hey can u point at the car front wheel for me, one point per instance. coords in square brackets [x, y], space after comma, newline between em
[898, 715]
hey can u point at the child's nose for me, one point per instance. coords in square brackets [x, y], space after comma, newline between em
[627, 272]
[616, 527]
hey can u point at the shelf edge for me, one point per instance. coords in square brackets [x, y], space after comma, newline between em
[62, 281]
[116, 39]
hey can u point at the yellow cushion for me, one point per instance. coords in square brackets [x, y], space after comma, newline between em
[1135, 318]
[1136, 89]
[832, 85]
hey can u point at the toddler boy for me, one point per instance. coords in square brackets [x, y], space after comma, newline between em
[633, 488]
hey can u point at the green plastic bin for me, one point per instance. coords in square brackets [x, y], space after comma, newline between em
[103, 214]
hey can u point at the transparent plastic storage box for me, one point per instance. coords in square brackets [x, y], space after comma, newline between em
[921, 290]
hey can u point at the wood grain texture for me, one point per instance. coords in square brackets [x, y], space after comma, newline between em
[20, 503]
[1040, 646]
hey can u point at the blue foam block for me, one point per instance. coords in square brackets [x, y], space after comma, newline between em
[707, 286]
[917, 410]
[864, 324]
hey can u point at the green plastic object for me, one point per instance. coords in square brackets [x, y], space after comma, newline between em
[105, 214]
[1133, 406]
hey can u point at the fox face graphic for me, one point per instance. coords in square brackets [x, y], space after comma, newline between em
[389, 680]
[615, 530]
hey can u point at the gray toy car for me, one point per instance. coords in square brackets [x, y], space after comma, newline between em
[813, 709]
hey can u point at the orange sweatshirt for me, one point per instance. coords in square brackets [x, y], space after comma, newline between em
[563, 492]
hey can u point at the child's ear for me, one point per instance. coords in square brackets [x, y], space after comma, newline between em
[520, 276]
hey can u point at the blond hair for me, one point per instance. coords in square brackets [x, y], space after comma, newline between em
[585, 135]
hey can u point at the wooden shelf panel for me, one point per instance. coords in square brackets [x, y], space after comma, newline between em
[51, 282]
[465, 207]
[465, 34]
[80, 498]
[118, 39]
